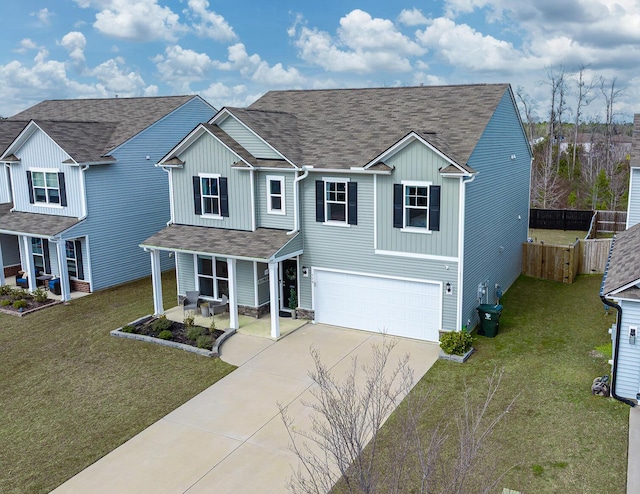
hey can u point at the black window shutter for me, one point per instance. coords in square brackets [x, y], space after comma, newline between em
[434, 208]
[224, 197]
[80, 270]
[320, 200]
[197, 202]
[352, 200]
[397, 205]
[30, 183]
[63, 189]
[45, 252]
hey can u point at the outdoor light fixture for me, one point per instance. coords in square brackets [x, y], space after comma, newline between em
[447, 288]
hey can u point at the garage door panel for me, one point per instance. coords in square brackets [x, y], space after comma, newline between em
[397, 307]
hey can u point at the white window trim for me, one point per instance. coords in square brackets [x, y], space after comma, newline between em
[74, 259]
[344, 180]
[202, 196]
[414, 229]
[34, 254]
[282, 211]
[46, 204]
[215, 277]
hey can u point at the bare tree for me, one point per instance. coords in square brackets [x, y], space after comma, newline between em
[343, 441]
[527, 108]
[584, 97]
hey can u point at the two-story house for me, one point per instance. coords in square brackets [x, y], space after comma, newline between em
[390, 209]
[621, 284]
[78, 189]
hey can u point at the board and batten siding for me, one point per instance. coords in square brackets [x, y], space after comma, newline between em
[208, 155]
[496, 209]
[351, 249]
[41, 152]
[633, 214]
[264, 219]
[628, 369]
[248, 139]
[5, 186]
[416, 162]
[128, 201]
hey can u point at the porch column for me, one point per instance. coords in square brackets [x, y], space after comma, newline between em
[63, 270]
[28, 265]
[274, 305]
[233, 294]
[156, 282]
[2, 280]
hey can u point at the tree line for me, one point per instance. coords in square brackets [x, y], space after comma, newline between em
[580, 161]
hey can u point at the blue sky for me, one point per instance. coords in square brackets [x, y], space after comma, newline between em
[232, 52]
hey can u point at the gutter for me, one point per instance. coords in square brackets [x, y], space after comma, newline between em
[296, 216]
[616, 351]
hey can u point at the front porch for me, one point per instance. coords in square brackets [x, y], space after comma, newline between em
[11, 281]
[246, 324]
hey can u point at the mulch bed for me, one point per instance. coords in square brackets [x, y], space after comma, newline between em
[32, 304]
[178, 331]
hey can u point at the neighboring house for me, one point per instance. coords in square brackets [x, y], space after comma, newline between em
[621, 283]
[389, 209]
[80, 190]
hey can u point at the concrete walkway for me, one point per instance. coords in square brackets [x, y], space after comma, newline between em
[230, 438]
[633, 456]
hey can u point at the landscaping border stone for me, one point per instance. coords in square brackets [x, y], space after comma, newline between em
[215, 352]
[30, 311]
[456, 358]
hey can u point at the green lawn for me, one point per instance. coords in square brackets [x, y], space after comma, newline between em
[70, 392]
[558, 438]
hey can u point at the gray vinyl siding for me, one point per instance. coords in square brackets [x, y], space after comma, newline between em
[294, 245]
[628, 371]
[264, 295]
[128, 201]
[39, 151]
[245, 283]
[248, 139]
[208, 155]
[5, 185]
[186, 272]
[263, 218]
[416, 162]
[497, 208]
[634, 198]
[352, 249]
[10, 250]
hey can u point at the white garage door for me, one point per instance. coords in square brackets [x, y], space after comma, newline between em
[402, 308]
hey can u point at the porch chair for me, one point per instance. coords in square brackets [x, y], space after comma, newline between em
[190, 302]
[218, 306]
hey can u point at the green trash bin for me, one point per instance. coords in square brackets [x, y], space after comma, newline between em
[489, 319]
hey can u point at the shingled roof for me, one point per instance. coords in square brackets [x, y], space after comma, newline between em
[9, 130]
[624, 264]
[344, 128]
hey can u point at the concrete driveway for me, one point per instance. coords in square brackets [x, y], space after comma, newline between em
[230, 438]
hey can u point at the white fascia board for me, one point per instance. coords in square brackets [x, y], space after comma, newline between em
[631, 284]
[201, 253]
[404, 142]
[25, 135]
[358, 170]
[224, 113]
[183, 144]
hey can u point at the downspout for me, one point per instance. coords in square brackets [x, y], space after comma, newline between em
[616, 352]
[84, 195]
[461, 229]
[170, 178]
[296, 216]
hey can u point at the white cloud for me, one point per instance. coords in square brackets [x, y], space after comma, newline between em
[220, 95]
[26, 44]
[363, 44]
[211, 25]
[43, 15]
[253, 67]
[74, 42]
[118, 79]
[412, 17]
[142, 20]
[180, 67]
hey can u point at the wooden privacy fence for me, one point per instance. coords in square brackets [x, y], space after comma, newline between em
[563, 263]
[607, 222]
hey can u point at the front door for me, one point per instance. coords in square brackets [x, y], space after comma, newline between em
[289, 284]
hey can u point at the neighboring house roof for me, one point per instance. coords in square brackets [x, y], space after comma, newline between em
[262, 243]
[45, 225]
[623, 268]
[130, 115]
[345, 128]
[9, 130]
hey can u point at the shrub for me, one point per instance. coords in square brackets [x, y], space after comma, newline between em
[194, 331]
[189, 320]
[165, 335]
[18, 294]
[204, 341]
[6, 302]
[128, 329]
[39, 295]
[456, 342]
[20, 304]
[161, 324]
[212, 326]
[5, 290]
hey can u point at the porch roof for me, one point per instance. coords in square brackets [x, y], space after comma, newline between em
[263, 244]
[42, 225]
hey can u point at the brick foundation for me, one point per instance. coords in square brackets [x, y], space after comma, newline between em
[256, 312]
[12, 270]
[305, 313]
[80, 286]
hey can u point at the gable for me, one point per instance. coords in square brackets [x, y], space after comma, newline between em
[247, 139]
